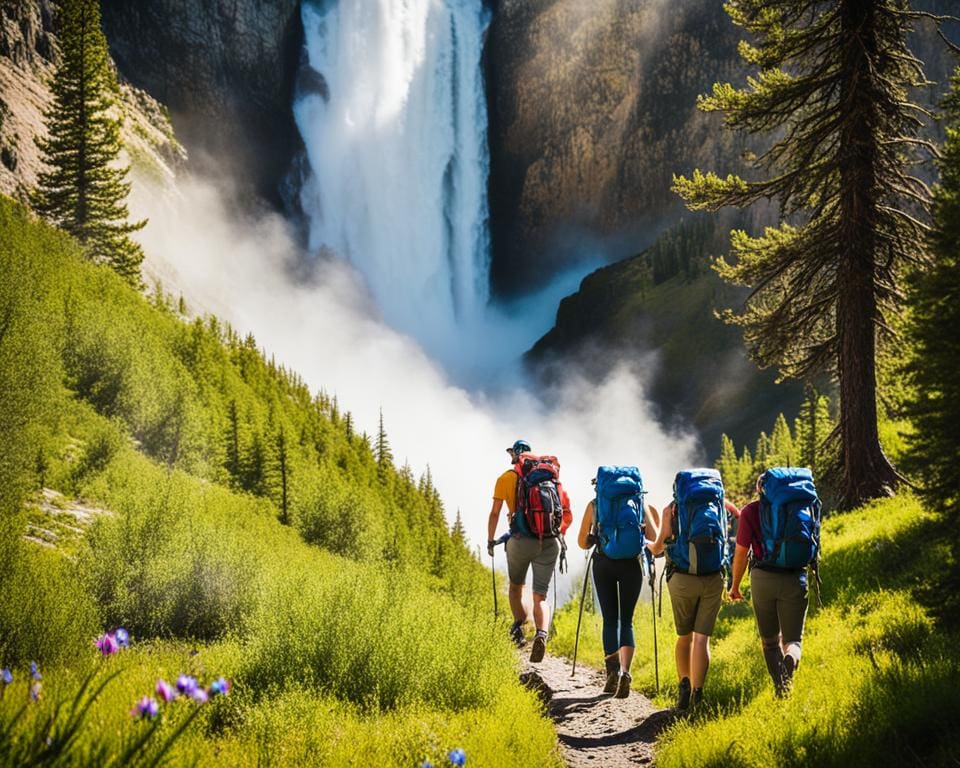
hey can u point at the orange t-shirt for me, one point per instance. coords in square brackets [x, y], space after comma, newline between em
[506, 490]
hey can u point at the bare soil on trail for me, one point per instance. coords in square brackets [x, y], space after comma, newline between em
[594, 728]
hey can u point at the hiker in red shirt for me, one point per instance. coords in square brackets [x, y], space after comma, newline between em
[779, 598]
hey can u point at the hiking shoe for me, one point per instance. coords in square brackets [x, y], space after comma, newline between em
[683, 700]
[623, 686]
[516, 634]
[787, 668]
[696, 700]
[613, 675]
[539, 646]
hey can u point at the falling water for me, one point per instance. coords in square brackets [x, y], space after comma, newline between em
[394, 124]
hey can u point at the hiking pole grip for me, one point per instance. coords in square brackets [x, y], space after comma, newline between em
[583, 596]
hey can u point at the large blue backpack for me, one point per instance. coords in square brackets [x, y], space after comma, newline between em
[698, 545]
[789, 518]
[619, 512]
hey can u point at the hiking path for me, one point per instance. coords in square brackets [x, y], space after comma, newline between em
[594, 729]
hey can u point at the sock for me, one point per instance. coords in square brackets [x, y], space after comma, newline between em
[542, 633]
[774, 658]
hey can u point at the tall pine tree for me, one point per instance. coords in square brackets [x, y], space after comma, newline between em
[832, 87]
[84, 191]
[935, 366]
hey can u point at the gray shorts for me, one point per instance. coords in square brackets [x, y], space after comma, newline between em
[524, 551]
[779, 603]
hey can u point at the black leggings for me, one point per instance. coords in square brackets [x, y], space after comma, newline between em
[617, 583]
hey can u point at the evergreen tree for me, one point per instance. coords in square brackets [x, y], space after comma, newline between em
[382, 450]
[83, 191]
[781, 444]
[282, 464]
[935, 300]
[832, 86]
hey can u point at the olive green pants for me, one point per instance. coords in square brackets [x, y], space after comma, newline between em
[780, 603]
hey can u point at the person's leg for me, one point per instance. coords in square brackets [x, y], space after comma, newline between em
[519, 609]
[681, 652]
[792, 612]
[541, 612]
[708, 607]
[699, 659]
[518, 563]
[605, 589]
[684, 603]
[629, 584]
[764, 588]
[543, 564]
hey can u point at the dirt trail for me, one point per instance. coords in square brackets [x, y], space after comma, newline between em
[594, 728]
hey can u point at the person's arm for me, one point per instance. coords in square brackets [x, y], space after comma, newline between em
[586, 528]
[492, 524]
[651, 523]
[666, 528]
[739, 568]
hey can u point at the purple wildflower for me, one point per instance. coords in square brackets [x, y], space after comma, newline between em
[186, 684]
[220, 687]
[107, 644]
[6, 676]
[35, 690]
[147, 708]
[122, 637]
[35, 671]
[199, 695]
[166, 691]
[457, 756]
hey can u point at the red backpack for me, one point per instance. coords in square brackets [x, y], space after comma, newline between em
[542, 507]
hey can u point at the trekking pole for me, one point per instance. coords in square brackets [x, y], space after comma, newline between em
[651, 566]
[493, 574]
[583, 596]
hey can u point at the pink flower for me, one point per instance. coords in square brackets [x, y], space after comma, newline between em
[107, 644]
[166, 691]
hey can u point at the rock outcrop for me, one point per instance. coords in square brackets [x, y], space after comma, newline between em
[592, 109]
[29, 52]
[225, 69]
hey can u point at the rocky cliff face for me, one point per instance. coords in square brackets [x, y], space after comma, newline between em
[225, 69]
[29, 53]
[593, 108]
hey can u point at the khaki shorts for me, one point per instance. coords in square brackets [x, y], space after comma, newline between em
[779, 603]
[696, 601]
[524, 551]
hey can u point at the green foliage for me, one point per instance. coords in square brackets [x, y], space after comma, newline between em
[83, 191]
[832, 87]
[935, 304]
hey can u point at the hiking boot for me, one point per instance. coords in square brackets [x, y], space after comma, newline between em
[613, 676]
[683, 700]
[516, 634]
[623, 686]
[539, 646]
[696, 699]
[787, 668]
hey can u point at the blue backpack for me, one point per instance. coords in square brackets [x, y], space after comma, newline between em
[699, 541]
[789, 518]
[619, 512]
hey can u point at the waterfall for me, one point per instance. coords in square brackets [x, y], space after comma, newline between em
[394, 122]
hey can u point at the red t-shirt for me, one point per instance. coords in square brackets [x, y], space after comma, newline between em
[748, 534]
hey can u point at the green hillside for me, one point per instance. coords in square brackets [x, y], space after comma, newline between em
[199, 496]
[663, 301]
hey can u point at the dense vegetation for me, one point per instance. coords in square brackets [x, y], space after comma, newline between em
[162, 438]
[873, 687]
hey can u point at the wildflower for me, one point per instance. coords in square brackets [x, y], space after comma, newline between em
[166, 691]
[199, 695]
[457, 757]
[35, 690]
[186, 684]
[6, 676]
[147, 708]
[107, 644]
[122, 637]
[34, 671]
[220, 687]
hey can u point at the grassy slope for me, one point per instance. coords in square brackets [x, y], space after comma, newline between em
[334, 660]
[877, 680]
[703, 375]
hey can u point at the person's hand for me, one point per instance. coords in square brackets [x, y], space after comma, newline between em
[491, 543]
[734, 594]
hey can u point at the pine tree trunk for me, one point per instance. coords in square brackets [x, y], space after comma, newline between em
[866, 473]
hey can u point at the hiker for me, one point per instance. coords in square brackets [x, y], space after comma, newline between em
[527, 547]
[617, 570]
[778, 586]
[695, 546]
